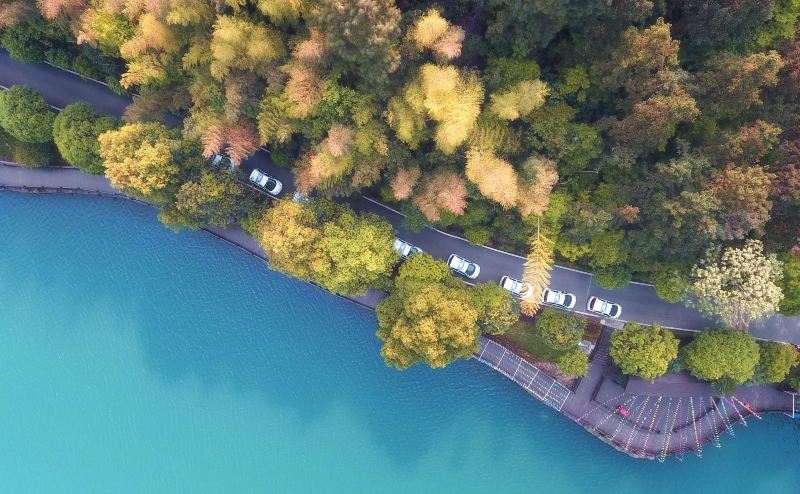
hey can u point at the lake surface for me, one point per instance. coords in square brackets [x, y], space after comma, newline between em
[134, 359]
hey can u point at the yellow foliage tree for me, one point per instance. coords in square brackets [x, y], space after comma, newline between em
[537, 272]
[451, 99]
[539, 176]
[494, 176]
[432, 31]
[240, 44]
[519, 100]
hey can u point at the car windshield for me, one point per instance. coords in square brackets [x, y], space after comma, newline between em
[470, 268]
[413, 250]
[271, 183]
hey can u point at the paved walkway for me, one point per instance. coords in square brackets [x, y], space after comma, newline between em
[639, 302]
[672, 417]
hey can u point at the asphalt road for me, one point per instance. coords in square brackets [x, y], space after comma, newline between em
[639, 302]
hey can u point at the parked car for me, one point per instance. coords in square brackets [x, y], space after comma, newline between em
[604, 307]
[558, 298]
[266, 182]
[220, 160]
[298, 197]
[404, 248]
[518, 288]
[463, 266]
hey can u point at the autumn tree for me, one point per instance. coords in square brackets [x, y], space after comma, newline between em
[724, 356]
[429, 316]
[289, 233]
[537, 271]
[732, 84]
[404, 181]
[538, 176]
[75, 131]
[148, 159]
[432, 32]
[341, 251]
[25, 115]
[450, 98]
[441, 190]
[238, 44]
[519, 100]
[494, 176]
[214, 198]
[737, 284]
[742, 194]
[643, 351]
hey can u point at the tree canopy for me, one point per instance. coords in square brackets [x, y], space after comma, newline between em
[75, 131]
[643, 351]
[726, 357]
[25, 115]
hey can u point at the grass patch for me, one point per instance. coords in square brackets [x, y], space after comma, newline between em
[521, 335]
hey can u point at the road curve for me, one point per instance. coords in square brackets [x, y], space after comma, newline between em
[639, 302]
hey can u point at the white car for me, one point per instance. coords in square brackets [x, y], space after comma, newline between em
[558, 298]
[604, 307]
[519, 289]
[404, 248]
[266, 182]
[463, 266]
[220, 159]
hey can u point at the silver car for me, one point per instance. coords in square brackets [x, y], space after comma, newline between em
[463, 266]
[266, 182]
[518, 288]
[604, 307]
[558, 298]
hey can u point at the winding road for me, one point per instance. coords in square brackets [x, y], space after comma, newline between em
[639, 301]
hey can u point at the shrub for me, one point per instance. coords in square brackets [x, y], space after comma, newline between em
[575, 363]
[560, 330]
[32, 155]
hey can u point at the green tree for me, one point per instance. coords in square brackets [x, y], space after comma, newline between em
[737, 284]
[498, 309]
[611, 277]
[724, 356]
[777, 359]
[75, 131]
[429, 316]
[213, 198]
[644, 351]
[560, 330]
[362, 37]
[25, 115]
[574, 363]
[790, 285]
[671, 285]
[358, 250]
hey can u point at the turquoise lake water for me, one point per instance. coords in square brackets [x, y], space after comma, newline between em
[134, 359]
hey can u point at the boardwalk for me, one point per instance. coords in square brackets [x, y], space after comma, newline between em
[528, 376]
